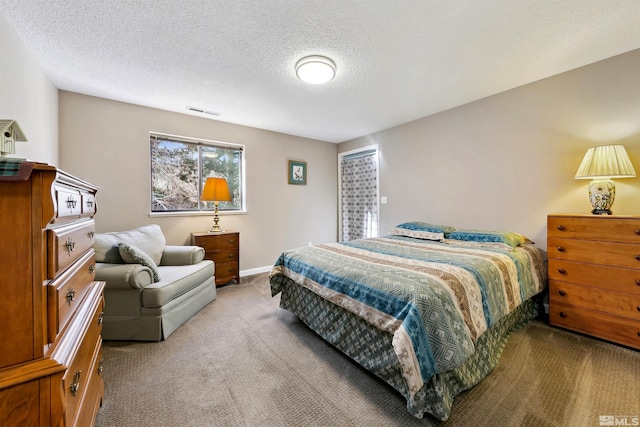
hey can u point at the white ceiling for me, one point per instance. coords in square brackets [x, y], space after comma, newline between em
[397, 60]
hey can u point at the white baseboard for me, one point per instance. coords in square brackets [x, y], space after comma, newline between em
[253, 271]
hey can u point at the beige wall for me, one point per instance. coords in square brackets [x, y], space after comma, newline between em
[28, 96]
[506, 161]
[107, 143]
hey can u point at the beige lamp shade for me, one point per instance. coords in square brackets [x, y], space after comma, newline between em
[606, 161]
[601, 164]
[216, 190]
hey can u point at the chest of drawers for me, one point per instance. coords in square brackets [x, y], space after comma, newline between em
[594, 276]
[224, 250]
[51, 310]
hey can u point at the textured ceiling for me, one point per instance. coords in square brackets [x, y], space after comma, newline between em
[397, 60]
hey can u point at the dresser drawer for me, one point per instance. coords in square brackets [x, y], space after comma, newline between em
[222, 255]
[618, 329]
[614, 254]
[615, 303]
[226, 271]
[89, 206]
[94, 392]
[600, 276]
[600, 228]
[80, 349]
[66, 244]
[217, 242]
[67, 202]
[67, 291]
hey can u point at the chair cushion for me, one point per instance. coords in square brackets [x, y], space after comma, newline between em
[175, 281]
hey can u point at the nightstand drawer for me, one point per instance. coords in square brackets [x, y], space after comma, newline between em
[615, 303]
[601, 325]
[600, 276]
[600, 228]
[614, 254]
[217, 242]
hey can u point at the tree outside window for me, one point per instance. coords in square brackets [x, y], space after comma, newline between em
[179, 167]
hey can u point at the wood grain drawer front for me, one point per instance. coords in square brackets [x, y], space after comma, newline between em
[224, 241]
[223, 255]
[615, 303]
[618, 329]
[600, 276]
[226, 271]
[66, 293]
[608, 229]
[66, 244]
[78, 376]
[604, 253]
[94, 391]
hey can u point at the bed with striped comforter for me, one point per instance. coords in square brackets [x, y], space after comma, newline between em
[434, 304]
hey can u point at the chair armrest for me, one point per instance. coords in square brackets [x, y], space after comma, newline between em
[124, 276]
[182, 255]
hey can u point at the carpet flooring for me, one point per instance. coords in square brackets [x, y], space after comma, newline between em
[242, 361]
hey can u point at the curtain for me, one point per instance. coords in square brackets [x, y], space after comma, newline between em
[359, 196]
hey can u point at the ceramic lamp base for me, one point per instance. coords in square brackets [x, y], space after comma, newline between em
[602, 192]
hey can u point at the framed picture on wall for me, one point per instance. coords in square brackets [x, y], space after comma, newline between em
[297, 172]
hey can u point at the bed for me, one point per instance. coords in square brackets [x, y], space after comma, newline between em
[427, 308]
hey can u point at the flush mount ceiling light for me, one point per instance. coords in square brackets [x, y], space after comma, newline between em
[315, 69]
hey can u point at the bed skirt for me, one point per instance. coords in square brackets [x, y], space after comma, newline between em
[373, 349]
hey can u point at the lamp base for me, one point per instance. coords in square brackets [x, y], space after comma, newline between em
[602, 192]
[216, 228]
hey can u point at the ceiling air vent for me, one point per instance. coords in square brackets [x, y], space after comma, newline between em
[203, 111]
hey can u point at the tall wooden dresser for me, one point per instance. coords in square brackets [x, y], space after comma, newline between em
[51, 307]
[594, 275]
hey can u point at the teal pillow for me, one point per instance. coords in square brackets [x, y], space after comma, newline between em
[417, 234]
[423, 226]
[507, 237]
[133, 255]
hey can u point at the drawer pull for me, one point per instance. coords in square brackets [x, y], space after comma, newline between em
[638, 257]
[70, 244]
[92, 268]
[90, 203]
[75, 385]
[101, 366]
[562, 271]
[231, 242]
[638, 308]
[638, 282]
[561, 227]
[101, 318]
[562, 293]
[71, 295]
[71, 202]
[92, 234]
[563, 314]
[561, 249]
[231, 255]
[638, 232]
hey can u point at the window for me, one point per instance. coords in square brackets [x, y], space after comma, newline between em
[179, 167]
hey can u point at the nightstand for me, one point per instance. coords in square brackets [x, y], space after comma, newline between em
[224, 250]
[594, 275]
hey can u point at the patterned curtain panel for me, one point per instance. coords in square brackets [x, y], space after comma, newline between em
[359, 197]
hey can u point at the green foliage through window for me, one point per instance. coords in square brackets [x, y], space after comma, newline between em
[180, 166]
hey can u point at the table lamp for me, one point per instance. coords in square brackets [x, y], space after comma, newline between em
[601, 164]
[215, 190]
